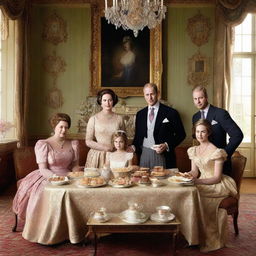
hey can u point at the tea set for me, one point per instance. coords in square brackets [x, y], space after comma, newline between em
[134, 214]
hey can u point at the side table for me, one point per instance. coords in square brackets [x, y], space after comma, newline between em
[116, 225]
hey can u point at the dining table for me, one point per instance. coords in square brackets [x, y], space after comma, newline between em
[62, 211]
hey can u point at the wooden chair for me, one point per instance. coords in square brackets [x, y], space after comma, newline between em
[230, 203]
[24, 163]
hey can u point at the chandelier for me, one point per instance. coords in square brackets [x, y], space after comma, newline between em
[135, 14]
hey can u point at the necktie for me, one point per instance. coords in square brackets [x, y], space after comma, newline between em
[202, 114]
[151, 115]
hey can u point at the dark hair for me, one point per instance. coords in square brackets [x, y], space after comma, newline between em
[152, 85]
[122, 134]
[201, 88]
[56, 118]
[205, 123]
[107, 91]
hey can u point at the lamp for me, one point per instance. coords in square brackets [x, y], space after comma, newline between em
[135, 14]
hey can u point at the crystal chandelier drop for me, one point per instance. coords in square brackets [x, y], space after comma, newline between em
[135, 14]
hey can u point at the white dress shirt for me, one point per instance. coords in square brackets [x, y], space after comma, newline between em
[150, 141]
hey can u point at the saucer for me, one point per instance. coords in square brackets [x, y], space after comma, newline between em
[142, 219]
[168, 218]
[104, 219]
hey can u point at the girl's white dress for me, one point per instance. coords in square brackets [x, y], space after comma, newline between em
[120, 162]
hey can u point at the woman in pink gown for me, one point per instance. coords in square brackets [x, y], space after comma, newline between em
[54, 155]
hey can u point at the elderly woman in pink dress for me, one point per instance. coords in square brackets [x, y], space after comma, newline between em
[55, 155]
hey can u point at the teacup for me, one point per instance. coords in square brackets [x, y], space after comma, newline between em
[133, 214]
[155, 182]
[100, 215]
[163, 211]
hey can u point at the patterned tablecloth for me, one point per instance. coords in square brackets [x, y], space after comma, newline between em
[63, 211]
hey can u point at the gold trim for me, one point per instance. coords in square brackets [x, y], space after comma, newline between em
[155, 58]
[199, 29]
[198, 70]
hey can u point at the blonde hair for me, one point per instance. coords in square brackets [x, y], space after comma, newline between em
[122, 134]
[205, 123]
[200, 88]
[151, 85]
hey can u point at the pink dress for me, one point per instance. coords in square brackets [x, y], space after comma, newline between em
[30, 189]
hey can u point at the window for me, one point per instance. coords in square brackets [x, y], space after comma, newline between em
[7, 77]
[243, 77]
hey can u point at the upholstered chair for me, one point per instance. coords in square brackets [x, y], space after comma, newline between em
[231, 204]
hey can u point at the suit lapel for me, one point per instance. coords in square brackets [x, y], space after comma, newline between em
[210, 114]
[144, 120]
[197, 116]
[160, 116]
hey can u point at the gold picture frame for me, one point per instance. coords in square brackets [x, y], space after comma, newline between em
[198, 70]
[155, 59]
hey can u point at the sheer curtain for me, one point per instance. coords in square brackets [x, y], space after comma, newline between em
[18, 11]
[228, 14]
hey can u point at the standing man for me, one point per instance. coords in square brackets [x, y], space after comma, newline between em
[158, 130]
[222, 124]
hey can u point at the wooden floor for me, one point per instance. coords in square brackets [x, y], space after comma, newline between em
[248, 186]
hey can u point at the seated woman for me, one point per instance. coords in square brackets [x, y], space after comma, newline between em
[213, 186]
[54, 155]
[119, 158]
[100, 128]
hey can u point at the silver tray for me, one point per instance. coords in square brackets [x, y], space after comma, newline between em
[119, 186]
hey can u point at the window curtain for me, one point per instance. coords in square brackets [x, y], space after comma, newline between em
[228, 14]
[18, 11]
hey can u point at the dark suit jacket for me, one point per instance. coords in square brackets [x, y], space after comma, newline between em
[171, 132]
[224, 125]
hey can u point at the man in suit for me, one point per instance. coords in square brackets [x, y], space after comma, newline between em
[222, 124]
[160, 126]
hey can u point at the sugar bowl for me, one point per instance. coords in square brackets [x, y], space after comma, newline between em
[100, 215]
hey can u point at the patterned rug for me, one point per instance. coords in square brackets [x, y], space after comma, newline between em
[12, 244]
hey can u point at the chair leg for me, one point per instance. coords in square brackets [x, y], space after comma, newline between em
[235, 217]
[14, 229]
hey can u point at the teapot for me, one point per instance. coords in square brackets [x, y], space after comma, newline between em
[106, 173]
[133, 211]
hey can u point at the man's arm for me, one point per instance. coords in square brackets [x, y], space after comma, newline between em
[136, 141]
[178, 131]
[234, 132]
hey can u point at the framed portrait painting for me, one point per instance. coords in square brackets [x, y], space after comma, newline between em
[121, 61]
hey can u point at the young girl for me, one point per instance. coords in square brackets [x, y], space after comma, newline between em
[119, 158]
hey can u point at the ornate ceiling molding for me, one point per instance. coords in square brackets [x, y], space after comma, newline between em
[101, 2]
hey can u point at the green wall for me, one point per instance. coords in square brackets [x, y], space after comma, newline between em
[74, 82]
[180, 48]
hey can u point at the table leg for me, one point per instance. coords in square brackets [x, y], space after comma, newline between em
[174, 236]
[95, 244]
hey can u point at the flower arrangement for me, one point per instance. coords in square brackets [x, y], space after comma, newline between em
[5, 126]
